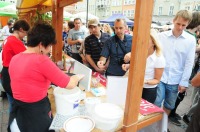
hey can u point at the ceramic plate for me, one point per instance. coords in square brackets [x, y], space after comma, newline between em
[79, 124]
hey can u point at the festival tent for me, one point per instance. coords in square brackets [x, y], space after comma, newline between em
[112, 18]
[7, 11]
[83, 15]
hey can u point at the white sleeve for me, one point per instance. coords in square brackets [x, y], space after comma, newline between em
[160, 62]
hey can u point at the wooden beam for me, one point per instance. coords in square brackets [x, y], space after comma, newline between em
[64, 3]
[141, 35]
[57, 22]
[46, 9]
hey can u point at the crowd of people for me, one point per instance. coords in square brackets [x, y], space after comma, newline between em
[28, 71]
[170, 61]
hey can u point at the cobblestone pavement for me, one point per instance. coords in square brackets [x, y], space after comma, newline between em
[3, 114]
[183, 107]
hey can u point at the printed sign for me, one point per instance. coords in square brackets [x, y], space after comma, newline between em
[147, 108]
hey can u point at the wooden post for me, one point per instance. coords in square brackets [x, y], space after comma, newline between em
[57, 22]
[141, 34]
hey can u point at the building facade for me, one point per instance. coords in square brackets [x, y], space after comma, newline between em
[128, 8]
[191, 5]
[103, 8]
[165, 10]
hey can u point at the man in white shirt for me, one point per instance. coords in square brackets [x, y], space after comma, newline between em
[179, 52]
[5, 31]
[75, 39]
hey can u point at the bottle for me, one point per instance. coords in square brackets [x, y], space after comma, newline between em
[64, 62]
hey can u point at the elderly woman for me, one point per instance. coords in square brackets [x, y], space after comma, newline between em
[31, 73]
[155, 64]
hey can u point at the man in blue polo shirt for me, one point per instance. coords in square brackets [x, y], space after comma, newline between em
[115, 49]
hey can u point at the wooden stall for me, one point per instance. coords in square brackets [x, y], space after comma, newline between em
[143, 15]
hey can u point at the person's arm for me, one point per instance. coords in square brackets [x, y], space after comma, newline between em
[105, 54]
[125, 67]
[51, 72]
[196, 80]
[188, 66]
[72, 42]
[74, 81]
[158, 71]
[101, 63]
[198, 49]
[157, 77]
[127, 57]
[90, 60]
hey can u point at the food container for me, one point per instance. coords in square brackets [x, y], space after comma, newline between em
[90, 104]
[107, 116]
[67, 100]
[79, 124]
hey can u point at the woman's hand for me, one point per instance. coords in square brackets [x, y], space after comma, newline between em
[74, 80]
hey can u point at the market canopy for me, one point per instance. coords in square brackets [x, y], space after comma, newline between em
[83, 15]
[112, 18]
[27, 6]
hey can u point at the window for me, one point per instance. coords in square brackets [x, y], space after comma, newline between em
[198, 7]
[114, 3]
[129, 13]
[187, 7]
[125, 2]
[128, 2]
[171, 10]
[160, 11]
[113, 12]
[132, 12]
[124, 13]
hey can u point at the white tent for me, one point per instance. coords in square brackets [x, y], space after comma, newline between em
[9, 8]
[82, 15]
[67, 14]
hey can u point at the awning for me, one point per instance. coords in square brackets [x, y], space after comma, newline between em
[22, 4]
[25, 6]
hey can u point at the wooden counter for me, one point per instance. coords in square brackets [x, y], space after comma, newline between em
[143, 121]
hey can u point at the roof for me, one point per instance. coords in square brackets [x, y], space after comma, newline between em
[25, 6]
[32, 3]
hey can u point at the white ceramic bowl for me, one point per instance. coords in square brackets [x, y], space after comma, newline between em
[79, 124]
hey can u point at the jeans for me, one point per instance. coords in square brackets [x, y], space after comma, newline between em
[10, 101]
[168, 94]
[178, 101]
